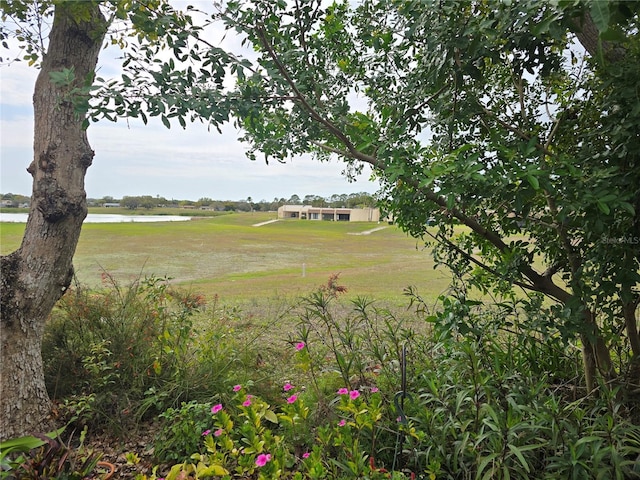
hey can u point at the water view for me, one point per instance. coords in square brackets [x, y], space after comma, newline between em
[103, 218]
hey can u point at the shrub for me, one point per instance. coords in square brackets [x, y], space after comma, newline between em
[249, 437]
[122, 355]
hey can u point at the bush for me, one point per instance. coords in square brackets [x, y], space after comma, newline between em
[473, 391]
[122, 355]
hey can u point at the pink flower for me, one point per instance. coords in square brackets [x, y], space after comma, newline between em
[343, 391]
[218, 432]
[237, 388]
[216, 408]
[374, 389]
[287, 387]
[342, 423]
[305, 455]
[206, 432]
[292, 399]
[262, 459]
[353, 394]
[300, 346]
[246, 403]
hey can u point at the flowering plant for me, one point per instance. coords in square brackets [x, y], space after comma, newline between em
[249, 438]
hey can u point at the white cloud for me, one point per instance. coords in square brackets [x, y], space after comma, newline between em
[134, 159]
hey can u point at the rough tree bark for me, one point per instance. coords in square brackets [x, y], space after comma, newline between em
[36, 275]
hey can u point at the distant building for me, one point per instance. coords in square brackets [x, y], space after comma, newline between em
[307, 212]
[111, 205]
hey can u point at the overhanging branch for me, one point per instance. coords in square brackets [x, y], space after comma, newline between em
[539, 282]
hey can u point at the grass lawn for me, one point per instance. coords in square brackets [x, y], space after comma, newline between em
[229, 257]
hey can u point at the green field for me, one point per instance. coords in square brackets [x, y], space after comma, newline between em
[230, 257]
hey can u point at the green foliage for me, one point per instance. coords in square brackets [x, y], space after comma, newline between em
[12, 450]
[504, 404]
[121, 355]
[477, 415]
[176, 440]
[476, 113]
[46, 457]
[248, 437]
[486, 396]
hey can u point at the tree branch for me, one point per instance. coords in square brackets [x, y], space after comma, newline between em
[477, 262]
[333, 130]
[539, 283]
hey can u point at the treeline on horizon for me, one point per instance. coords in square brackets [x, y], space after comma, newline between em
[351, 200]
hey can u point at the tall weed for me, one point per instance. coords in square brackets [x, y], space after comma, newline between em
[120, 355]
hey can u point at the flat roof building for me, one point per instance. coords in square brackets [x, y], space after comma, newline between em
[307, 212]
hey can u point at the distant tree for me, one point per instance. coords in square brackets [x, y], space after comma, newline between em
[294, 200]
[148, 202]
[318, 201]
[338, 200]
[204, 202]
[131, 203]
[360, 200]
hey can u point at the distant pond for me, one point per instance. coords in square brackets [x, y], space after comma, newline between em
[103, 218]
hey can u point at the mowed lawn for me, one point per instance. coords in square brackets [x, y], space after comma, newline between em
[230, 257]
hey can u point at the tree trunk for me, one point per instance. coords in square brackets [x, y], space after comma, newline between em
[631, 325]
[36, 275]
[595, 353]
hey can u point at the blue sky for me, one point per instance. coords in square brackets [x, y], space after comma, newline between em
[134, 159]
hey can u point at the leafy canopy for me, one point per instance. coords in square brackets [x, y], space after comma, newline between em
[485, 114]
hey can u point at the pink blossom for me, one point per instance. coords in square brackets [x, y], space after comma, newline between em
[343, 391]
[300, 345]
[262, 459]
[374, 389]
[237, 388]
[305, 455]
[206, 432]
[353, 394]
[218, 432]
[287, 387]
[216, 408]
[292, 399]
[342, 423]
[246, 403]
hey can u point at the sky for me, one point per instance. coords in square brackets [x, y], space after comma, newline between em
[135, 159]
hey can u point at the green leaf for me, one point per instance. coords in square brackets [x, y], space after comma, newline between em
[271, 416]
[600, 14]
[603, 207]
[24, 444]
[165, 121]
[533, 181]
[521, 458]
[212, 471]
